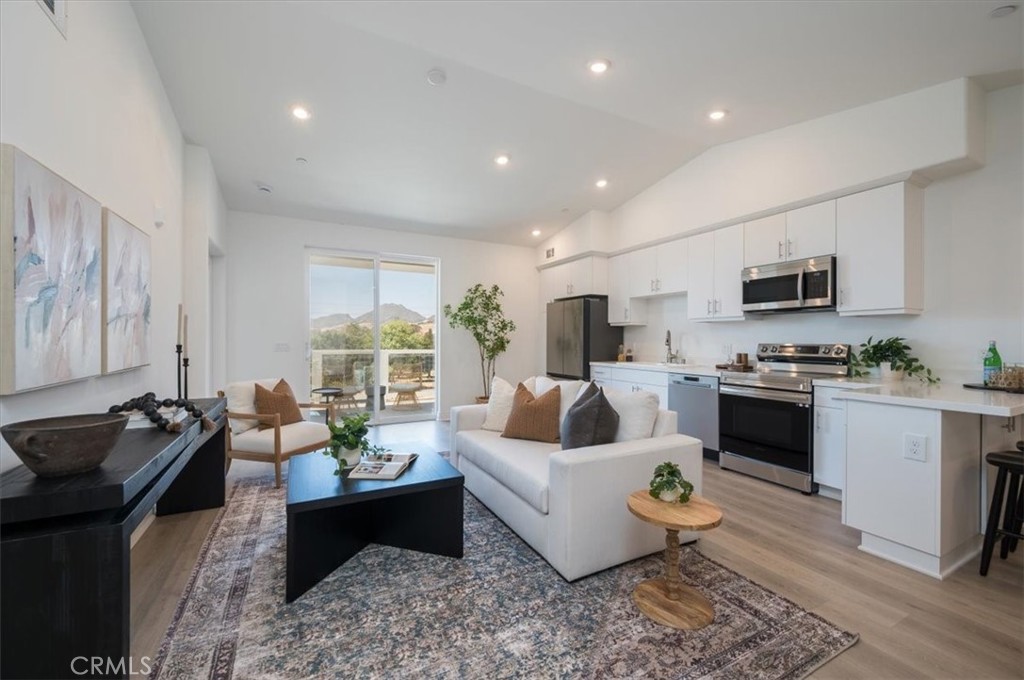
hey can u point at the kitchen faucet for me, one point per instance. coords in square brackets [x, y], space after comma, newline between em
[670, 356]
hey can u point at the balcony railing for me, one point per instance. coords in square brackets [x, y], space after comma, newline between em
[409, 373]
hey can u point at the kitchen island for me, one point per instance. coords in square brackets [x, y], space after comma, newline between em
[916, 479]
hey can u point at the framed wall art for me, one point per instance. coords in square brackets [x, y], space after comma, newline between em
[50, 293]
[126, 294]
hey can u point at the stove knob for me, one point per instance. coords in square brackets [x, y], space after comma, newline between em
[775, 348]
[763, 349]
[839, 351]
[826, 350]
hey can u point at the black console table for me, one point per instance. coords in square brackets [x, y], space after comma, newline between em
[65, 567]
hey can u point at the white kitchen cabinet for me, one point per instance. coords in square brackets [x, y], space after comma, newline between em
[640, 380]
[588, 275]
[715, 262]
[830, 447]
[878, 252]
[622, 309]
[811, 231]
[764, 240]
[794, 235]
[659, 270]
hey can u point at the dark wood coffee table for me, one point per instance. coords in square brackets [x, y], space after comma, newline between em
[330, 518]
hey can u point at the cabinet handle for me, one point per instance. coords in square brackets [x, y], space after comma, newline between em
[652, 285]
[789, 248]
[657, 284]
[842, 297]
[709, 306]
[718, 306]
[780, 250]
[625, 313]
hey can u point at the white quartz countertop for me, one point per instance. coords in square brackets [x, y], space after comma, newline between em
[685, 369]
[945, 396]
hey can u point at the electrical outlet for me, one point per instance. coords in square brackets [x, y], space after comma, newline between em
[915, 447]
[282, 347]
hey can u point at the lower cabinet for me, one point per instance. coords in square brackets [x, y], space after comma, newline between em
[830, 447]
[624, 379]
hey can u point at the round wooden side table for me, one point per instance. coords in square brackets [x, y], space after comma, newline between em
[666, 599]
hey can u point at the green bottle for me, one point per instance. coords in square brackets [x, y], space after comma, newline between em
[993, 362]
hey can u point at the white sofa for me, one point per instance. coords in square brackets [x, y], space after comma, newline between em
[570, 506]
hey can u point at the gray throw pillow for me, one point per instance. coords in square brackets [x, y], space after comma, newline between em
[590, 421]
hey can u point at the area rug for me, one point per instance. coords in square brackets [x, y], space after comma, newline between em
[500, 612]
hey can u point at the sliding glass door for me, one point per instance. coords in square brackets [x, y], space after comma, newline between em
[371, 334]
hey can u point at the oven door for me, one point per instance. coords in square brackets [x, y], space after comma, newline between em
[769, 426]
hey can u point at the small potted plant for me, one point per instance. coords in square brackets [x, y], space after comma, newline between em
[348, 440]
[669, 485]
[892, 358]
[481, 314]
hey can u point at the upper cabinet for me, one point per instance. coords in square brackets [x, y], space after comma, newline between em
[794, 235]
[659, 270]
[715, 292]
[623, 310]
[878, 252]
[585, 276]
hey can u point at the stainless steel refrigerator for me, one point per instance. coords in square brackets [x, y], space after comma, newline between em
[578, 333]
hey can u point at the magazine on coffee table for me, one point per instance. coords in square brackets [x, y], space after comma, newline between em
[383, 466]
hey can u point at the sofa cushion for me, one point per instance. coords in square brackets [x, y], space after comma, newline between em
[637, 413]
[570, 391]
[500, 403]
[296, 436]
[280, 401]
[241, 397]
[521, 466]
[534, 418]
[590, 421]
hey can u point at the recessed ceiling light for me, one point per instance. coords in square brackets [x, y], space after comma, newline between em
[502, 159]
[1004, 11]
[264, 188]
[718, 114]
[535, 232]
[301, 112]
[601, 183]
[599, 66]
[301, 161]
[437, 77]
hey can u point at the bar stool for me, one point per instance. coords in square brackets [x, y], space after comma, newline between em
[1009, 464]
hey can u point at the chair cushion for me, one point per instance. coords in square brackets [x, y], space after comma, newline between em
[590, 421]
[241, 398]
[534, 418]
[521, 466]
[637, 413]
[294, 437]
[281, 401]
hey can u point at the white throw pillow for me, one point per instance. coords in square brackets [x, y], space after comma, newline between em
[499, 406]
[637, 413]
[241, 398]
[570, 391]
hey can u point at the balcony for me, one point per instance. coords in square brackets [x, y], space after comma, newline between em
[405, 381]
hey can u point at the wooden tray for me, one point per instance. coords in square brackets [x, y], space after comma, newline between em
[736, 368]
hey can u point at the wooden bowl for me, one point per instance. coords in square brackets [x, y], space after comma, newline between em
[65, 445]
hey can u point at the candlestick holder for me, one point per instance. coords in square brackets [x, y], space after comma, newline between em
[177, 348]
[185, 363]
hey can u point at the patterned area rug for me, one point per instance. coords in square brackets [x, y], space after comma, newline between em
[500, 612]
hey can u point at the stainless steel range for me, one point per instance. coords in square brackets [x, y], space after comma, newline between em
[766, 416]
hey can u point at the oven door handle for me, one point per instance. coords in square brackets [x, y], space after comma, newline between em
[771, 395]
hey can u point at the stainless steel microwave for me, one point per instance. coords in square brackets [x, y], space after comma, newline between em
[798, 285]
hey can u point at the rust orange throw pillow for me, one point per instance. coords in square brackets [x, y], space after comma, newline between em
[532, 417]
[281, 400]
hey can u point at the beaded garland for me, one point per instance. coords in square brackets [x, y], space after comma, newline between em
[149, 405]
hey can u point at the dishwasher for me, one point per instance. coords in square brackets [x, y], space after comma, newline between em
[694, 398]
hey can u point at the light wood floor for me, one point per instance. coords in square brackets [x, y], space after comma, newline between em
[911, 626]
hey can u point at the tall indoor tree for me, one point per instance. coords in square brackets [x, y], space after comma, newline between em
[481, 314]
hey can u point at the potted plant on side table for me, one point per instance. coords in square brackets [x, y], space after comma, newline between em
[481, 314]
[669, 485]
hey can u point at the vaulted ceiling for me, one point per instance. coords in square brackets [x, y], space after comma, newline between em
[386, 148]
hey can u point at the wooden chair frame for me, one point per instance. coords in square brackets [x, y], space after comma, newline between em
[273, 419]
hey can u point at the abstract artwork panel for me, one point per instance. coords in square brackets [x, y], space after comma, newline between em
[127, 280]
[51, 290]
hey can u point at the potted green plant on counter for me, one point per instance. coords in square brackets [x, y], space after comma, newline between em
[669, 485]
[481, 314]
[893, 359]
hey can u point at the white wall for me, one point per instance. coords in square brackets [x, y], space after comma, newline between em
[205, 224]
[267, 298]
[933, 130]
[973, 240]
[92, 109]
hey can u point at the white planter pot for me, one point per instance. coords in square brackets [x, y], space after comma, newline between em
[351, 456]
[886, 374]
[670, 496]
